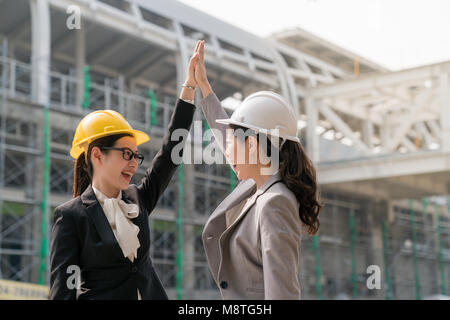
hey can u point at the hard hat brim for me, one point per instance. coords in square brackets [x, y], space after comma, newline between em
[140, 136]
[255, 128]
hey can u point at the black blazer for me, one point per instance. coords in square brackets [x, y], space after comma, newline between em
[82, 236]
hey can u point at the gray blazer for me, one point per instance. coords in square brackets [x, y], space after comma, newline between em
[252, 239]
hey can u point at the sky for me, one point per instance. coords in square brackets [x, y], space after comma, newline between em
[396, 34]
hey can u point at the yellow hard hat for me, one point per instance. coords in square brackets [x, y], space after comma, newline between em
[99, 124]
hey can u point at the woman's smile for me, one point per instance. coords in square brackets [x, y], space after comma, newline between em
[127, 177]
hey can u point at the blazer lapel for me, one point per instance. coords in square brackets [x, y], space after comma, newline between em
[270, 182]
[244, 190]
[95, 212]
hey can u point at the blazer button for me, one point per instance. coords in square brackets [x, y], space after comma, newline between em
[134, 269]
[224, 285]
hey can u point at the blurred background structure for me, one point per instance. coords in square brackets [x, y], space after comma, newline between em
[380, 141]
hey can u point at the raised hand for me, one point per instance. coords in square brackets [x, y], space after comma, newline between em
[190, 79]
[188, 90]
[200, 70]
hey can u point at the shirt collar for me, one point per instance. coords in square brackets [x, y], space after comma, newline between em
[101, 197]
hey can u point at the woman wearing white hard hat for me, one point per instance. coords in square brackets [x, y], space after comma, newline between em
[102, 235]
[252, 240]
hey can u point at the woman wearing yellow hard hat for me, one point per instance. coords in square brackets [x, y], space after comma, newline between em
[100, 247]
[252, 240]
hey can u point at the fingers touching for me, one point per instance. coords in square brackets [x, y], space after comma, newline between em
[193, 62]
[202, 51]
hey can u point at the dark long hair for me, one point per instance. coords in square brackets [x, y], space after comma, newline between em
[299, 175]
[83, 171]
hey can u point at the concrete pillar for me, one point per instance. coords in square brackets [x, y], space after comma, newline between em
[182, 57]
[35, 182]
[40, 51]
[312, 139]
[40, 87]
[385, 134]
[182, 60]
[287, 84]
[12, 50]
[80, 62]
[122, 89]
[390, 211]
[368, 133]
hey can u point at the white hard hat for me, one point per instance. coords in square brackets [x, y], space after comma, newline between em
[264, 111]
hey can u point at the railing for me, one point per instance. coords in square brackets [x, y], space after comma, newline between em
[63, 95]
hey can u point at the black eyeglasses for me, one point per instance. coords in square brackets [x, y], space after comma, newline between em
[127, 154]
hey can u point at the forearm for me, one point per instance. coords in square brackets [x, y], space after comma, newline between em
[158, 176]
[206, 89]
[182, 117]
[187, 93]
[213, 110]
